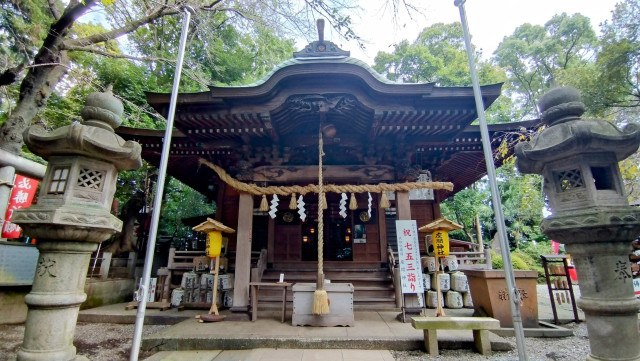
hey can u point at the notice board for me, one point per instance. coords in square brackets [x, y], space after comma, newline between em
[17, 264]
[409, 257]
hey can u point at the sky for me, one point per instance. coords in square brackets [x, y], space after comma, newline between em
[489, 21]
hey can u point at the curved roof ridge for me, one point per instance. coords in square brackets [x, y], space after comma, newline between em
[317, 60]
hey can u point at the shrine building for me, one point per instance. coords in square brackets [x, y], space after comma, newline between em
[373, 130]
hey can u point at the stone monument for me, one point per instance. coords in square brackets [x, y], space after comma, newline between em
[578, 159]
[71, 217]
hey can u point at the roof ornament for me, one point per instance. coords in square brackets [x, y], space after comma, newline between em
[321, 48]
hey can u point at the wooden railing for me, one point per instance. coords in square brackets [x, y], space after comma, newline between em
[260, 266]
[102, 266]
[466, 260]
[473, 260]
[179, 263]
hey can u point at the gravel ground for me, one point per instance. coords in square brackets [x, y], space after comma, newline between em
[111, 342]
[97, 341]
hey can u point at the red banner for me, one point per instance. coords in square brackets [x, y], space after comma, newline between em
[21, 196]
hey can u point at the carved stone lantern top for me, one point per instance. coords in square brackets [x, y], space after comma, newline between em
[94, 138]
[79, 184]
[567, 134]
[578, 159]
[103, 110]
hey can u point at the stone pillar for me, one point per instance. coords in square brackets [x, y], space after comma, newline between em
[243, 258]
[7, 173]
[71, 217]
[591, 215]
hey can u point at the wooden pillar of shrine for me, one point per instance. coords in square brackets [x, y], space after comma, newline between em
[240, 306]
[382, 232]
[403, 208]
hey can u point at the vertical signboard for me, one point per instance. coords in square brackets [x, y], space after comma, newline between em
[409, 257]
[21, 196]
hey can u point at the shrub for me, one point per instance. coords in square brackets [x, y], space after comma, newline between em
[520, 261]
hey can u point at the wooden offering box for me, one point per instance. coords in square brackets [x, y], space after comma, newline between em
[340, 305]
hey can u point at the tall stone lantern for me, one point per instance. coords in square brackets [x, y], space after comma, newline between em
[71, 217]
[591, 215]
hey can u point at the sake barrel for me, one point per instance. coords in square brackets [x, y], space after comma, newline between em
[467, 301]
[228, 299]
[450, 263]
[206, 282]
[430, 264]
[189, 280]
[426, 281]
[459, 282]
[445, 282]
[453, 299]
[177, 295]
[432, 299]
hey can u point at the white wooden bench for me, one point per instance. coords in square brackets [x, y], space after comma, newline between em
[479, 325]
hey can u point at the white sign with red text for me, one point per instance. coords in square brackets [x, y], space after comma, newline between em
[409, 257]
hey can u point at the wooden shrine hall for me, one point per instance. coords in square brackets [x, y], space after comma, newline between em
[374, 131]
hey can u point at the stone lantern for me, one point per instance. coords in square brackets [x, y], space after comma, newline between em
[578, 159]
[71, 217]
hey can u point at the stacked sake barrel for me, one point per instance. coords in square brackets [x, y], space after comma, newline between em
[454, 286]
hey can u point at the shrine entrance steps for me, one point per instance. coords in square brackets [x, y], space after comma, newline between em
[373, 288]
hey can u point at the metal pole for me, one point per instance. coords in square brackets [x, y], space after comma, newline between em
[514, 294]
[157, 202]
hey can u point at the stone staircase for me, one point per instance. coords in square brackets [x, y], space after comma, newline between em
[373, 288]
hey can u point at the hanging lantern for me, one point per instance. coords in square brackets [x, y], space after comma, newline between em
[440, 243]
[214, 230]
[440, 229]
[214, 244]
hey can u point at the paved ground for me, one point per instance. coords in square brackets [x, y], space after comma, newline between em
[382, 325]
[263, 354]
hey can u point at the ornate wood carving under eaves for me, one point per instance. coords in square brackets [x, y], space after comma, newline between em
[407, 172]
[315, 103]
[363, 173]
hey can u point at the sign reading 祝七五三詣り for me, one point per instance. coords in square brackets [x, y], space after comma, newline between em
[409, 257]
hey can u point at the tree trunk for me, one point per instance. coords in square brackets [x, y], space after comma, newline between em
[49, 66]
[126, 241]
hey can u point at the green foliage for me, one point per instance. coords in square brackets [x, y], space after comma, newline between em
[616, 80]
[516, 261]
[437, 55]
[525, 258]
[534, 56]
[463, 208]
[522, 203]
[181, 202]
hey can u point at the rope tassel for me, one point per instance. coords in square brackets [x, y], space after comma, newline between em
[353, 204]
[264, 205]
[293, 204]
[384, 201]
